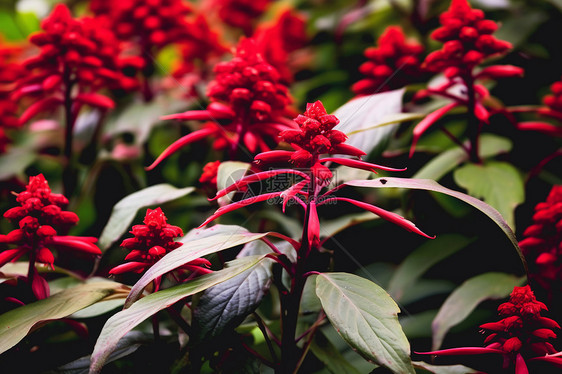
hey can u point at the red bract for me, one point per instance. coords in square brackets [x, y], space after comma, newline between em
[248, 105]
[309, 175]
[151, 241]
[542, 243]
[73, 53]
[278, 39]
[209, 175]
[467, 42]
[10, 72]
[241, 14]
[394, 63]
[467, 39]
[521, 337]
[41, 222]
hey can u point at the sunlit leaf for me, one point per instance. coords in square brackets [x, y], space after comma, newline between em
[467, 297]
[126, 209]
[121, 323]
[366, 317]
[497, 183]
[17, 323]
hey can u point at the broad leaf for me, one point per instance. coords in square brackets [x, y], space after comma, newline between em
[121, 323]
[497, 183]
[228, 173]
[225, 305]
[126, 209]
[490, 145]
[423, 258]
[16, 324]
[365, 113]
[431, 185]
[444, 369]
[189, 252]
[334, 226]
[367, 319]
[467, 296]
[326, 352]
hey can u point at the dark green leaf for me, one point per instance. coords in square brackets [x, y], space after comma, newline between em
[325, 351]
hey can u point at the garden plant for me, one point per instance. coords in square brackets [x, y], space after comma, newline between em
[280, 186]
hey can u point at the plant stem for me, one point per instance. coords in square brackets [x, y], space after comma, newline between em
[69, 174]
[473, 121]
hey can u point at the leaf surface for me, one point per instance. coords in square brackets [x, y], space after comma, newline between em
[366, 317]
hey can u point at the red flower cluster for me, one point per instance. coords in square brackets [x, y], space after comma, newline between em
[316, 136]
[73, 52]
[239, 13]
[522, 330]
[247, 97]
[393, 64]
[10, 72]
[521, 337]
[210, 171]
[151, 242]
[542, 245]
[41, 218]
[153, 24]
[552, 109]
[467, 39]
[276, 40]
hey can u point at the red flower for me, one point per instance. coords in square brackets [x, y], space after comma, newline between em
[394, 63]
[467, 39]
[152, 241]
[10, 72]
[521, 337]
[209, 175]
[542, 243]
[248, 105]
[41, 222]
[315, 136]
[73, 52]
[241, 14]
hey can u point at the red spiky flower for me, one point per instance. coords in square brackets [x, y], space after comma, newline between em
[152, 241]
[248, 105]
[467, 41]
[552, 109]
[242, 14]
[10, 72]
[542, 243]
[316, 136]
[521, 337]
[43, 225]
[394, 63]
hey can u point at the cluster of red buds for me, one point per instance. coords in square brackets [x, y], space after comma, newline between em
[467, 42]
[315, 137]
[151, 241]
[552, 108]
[394, 63]
[42, 220]
[152, 24]
[10, 72]
[542, 245]
[521, 337]
[209, 175]
[241, 14]
[277, 39]
[73, 52]
[249, 105]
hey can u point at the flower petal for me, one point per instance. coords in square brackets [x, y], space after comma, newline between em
[358, 164]
[429, 120]
[74, 242]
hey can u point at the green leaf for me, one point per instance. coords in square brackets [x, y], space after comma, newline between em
[334, 226]
[124, 321]
[418, 325]
[369, 112]
[467, 296]
[443, 369]
[225, 305]
[15, 161]
[228, 173]
[126, 209]
[326, 352]
[190, 251]
[431, 185]
[490, 145]
[497, 183]
[16, 324]
[366, 317]
[421, 260]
